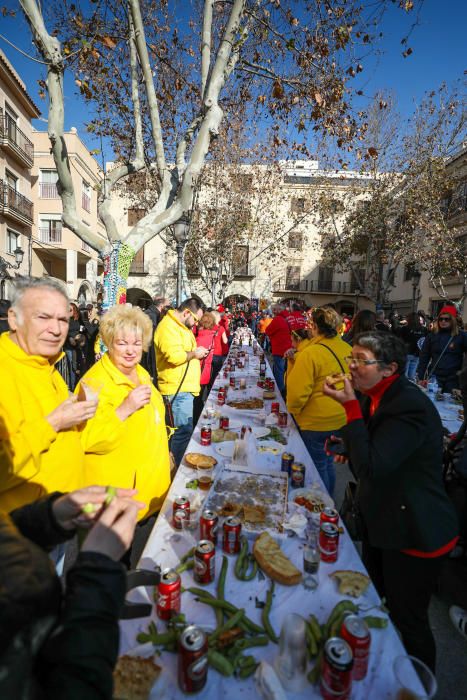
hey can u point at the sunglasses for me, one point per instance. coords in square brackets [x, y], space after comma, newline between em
[360, 362]
[195, 318]
[444, 318]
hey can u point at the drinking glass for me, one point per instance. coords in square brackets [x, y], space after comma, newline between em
[415, 680]
[291, 661]
[205, 478]
[311, 560]
[190, 529]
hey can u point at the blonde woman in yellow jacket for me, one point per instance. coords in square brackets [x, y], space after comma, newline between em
[126, 441]
[318, 417]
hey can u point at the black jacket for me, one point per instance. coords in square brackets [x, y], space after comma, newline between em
[450, 362]
[54, 645]
[411, 337]
[397, 456]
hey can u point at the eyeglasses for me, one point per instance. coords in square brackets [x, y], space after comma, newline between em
[444, 318]
[360, 362]
[195, 318]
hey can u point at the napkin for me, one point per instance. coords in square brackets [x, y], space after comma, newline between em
[297, 522]
[268, 684]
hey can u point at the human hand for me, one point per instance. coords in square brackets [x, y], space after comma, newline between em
[289, 354]
[70, 413]
[113, 533]
[73, 509]
[340, 395]
[334, 446]
[200, 353]
[136, 399]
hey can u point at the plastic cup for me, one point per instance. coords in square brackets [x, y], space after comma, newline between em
[290, 663]
[414, 679]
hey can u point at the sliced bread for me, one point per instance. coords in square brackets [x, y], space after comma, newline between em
[274, 562]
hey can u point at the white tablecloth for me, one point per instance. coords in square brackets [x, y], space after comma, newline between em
[165, 546]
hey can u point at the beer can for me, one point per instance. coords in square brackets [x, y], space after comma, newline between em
[270, 384]
[232, 529]
[282, 419]
[355, 632]
[224, 422]
[275, 407]
[208, 525]
[221, 397]
[204, 562]
[205, 435]
[287, 460]
[329, 515]
[232, 381]
[336, 672]
[192, 659]
[297, 475]
[180, 511]
[328, 542]
[168, 595]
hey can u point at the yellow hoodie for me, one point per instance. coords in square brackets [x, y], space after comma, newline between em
[34, 459]
[172, 341]
[132, 453]
[305, 399]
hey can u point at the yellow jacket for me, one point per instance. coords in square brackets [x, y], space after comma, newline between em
[172, 340]
[291, 361]
[34, 459]
[305, 399]
[132, 453]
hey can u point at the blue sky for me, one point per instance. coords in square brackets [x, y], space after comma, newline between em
[438, 44]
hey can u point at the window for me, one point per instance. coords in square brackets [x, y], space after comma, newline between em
[297, 205]
[48, 184]
[325, 275]
[240, 260]
[292, 277]
[13, 240]
[12, 180]
[361, 280]
[408, 272]
[137, 266]
[135, 215]
[296, 240]
[86, 196]
[11, 121]
[50, 229]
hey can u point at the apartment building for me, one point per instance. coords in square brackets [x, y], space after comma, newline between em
[17, 109]
[56, 251]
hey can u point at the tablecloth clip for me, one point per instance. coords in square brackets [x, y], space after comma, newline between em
[135, 578]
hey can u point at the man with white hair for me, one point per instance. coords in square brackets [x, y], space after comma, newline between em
[40, 450]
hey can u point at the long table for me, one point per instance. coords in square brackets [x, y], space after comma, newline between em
[165, 546]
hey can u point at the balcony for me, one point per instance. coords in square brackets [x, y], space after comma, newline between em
[48, 190]
[315, 286]
[14, 205]
[14, 141]
[50, 235]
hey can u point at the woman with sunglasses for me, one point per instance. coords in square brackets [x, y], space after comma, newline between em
[394, 441]
[443, 351]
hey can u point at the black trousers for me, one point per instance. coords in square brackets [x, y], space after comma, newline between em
[407, 583]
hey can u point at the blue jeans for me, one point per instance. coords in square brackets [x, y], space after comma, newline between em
[411, 367]
[182, 409]
[278, 370]
[314, 442]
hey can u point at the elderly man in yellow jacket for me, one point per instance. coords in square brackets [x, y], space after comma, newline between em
[40, 449]
[179, 369]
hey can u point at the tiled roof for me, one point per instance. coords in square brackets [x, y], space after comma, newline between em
[6, 63]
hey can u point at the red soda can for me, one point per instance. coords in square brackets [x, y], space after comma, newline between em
[192, 659]
[260, 383]
[329, 515]
[208, 525]
[275, 407]
[205, 435]
[231, 536]
[328, 542]
[297, 475]
[168, 595]
[336, 672]
[226, 373]
[204, 562]
[180, 511]
[224, 422]
[270, 384]
[282, 419]
[221, 396]
[287, 460]
[355, 632]
[232, 381]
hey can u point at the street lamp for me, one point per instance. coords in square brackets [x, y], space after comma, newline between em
[214, 271]
[181, 230]
[5, 265]
[357, 295]
[416, 275]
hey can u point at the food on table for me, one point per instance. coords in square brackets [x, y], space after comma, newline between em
[276, 435]
[219, 435]
[269, 394]
[230, 509]
[352, 583]
[246, 404]
[269, 448]
[311, 501]
[254, 514]
[274, 562]
[200, 461]
[134, 678]
[337, 380]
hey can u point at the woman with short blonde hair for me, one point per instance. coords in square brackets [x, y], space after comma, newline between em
[126, 441]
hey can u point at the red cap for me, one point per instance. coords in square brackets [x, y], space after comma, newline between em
[220, 308]
[448, 309]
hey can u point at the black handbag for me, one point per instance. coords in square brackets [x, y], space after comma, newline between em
[350, 512]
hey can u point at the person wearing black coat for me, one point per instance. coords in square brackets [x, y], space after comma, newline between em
[443, 351]
[393, 439]
[62, 645]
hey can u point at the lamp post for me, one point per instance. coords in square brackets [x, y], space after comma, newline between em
[357, 295]
[214, 271]
[416, 275]
[5, 265]
[181, 229]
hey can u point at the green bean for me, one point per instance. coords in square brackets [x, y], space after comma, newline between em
[376, 622]
[315, 673]
[239, 568]
[184, 566]
[219, 662]
[265, 615]
[232, 622]
[188, 555]
[221, 589]
[248, 671]
[342, 606]
[157, 639]
[253, 571]
[259, 641]
[315, 627]
[312, 643]
[111, 492]
[243, 661]
[209, 599]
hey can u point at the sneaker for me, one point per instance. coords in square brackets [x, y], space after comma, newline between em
[459, 619]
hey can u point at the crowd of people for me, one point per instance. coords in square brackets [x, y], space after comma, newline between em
[124, 416]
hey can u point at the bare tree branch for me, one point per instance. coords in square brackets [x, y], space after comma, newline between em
[206, 44]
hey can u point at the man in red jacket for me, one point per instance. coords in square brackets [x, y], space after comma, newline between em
[278, 333]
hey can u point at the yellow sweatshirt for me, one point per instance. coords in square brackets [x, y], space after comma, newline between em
[132, 453]
[305, 399]
[34, 459]
[172, 341]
